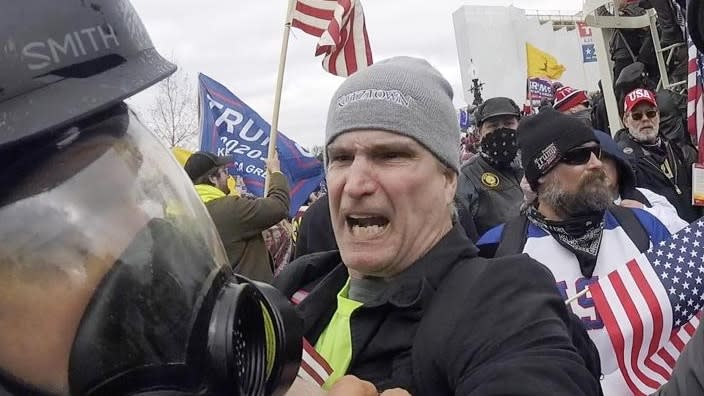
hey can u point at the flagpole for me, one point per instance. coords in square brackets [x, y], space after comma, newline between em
[277, 94]
[527, 105]
[576, 296]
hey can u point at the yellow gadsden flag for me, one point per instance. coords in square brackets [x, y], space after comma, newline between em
[181, 155]
[542, 64]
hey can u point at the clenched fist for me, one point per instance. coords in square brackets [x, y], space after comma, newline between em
[350, 385]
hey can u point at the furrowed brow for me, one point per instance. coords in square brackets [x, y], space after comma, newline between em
[375, 148]
[336, 150]
[393, 147]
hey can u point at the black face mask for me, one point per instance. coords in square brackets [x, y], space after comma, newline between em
[585, 116]
[499, 147]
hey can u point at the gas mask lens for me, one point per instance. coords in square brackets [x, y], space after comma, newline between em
[111, 259]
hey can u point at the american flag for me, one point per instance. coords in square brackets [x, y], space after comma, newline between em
[695, 104]
[650, 307]
[342, 31]
[314, 368]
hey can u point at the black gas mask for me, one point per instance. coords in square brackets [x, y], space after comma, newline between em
[106, 244]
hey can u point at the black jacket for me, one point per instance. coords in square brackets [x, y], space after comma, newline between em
[240, 222]
[315, 233]
[452, 324]
[688, 375]
[649, 175]
[600, 118]
[490, 195]
[627, 43]
[626, 173]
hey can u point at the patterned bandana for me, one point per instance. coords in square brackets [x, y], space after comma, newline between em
[499, 147]
[580, 235]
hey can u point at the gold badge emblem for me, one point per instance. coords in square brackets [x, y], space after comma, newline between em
[490, 180]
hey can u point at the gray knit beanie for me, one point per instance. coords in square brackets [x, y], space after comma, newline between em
[402, 95]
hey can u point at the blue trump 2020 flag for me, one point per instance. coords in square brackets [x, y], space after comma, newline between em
[230, 127]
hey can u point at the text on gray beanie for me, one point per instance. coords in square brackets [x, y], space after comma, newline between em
[402, 95]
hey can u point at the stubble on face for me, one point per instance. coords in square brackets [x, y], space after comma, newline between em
[591, 195]
[386, 201]
[645, 135]
[645, 130]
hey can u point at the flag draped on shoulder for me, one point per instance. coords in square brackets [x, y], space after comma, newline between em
[230, 127]
[650, 307]
[342, 31]
[541, 64]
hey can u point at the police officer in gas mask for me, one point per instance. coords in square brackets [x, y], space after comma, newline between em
[112, 278]
[489, 183]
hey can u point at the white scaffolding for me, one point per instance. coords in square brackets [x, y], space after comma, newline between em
[602, 29]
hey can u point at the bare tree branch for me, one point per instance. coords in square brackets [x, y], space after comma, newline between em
[174, 112]
[317, 151]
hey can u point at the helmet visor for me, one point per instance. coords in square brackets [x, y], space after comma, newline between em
[106, 255]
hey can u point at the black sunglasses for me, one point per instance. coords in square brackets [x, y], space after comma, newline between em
[649, 114]
[581, 155]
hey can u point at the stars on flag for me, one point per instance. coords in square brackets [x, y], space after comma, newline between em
[674, 263]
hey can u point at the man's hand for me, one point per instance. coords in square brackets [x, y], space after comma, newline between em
[301, 387]
[273, 165]
[629, 203]
[350, 385]
[395, 392]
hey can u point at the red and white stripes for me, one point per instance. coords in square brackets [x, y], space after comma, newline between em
[638, 317]
[695, 104]
[314, 367]
[342, 31]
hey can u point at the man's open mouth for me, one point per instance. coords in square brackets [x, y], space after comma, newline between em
[367, 225]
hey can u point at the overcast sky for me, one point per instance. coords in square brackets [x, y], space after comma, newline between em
[238, 43]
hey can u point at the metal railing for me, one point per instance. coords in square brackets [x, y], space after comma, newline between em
[559, 19]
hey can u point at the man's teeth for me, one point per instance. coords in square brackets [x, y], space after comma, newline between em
[367, 220]
[371, 230]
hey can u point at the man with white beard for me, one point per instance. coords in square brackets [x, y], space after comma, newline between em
[661, 166]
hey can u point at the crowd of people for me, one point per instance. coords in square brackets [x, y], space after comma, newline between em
[418, 272]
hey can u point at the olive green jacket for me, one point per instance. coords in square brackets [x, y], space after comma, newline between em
[240, 222]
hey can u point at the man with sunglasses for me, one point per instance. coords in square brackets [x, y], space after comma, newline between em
[661, 166]
[240, 220]
[573, 227]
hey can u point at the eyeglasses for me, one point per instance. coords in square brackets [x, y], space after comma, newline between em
[649, 114]
[581, 155]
